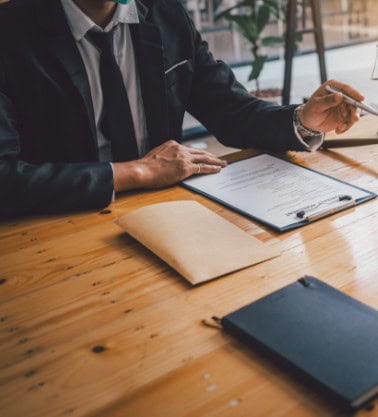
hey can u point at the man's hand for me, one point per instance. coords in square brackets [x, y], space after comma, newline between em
[326, 111]
[165, 165]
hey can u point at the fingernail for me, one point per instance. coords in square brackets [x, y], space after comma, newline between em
[339, 97]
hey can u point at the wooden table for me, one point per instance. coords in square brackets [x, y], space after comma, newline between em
[93, 324]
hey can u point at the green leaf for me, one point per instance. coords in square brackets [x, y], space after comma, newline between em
[245, 26]
[279, 9]
[272, 40]
[274, 6]
[263, 16]
[257, 66]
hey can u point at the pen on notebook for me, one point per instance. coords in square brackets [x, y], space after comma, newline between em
[352, 101]
[312, 215]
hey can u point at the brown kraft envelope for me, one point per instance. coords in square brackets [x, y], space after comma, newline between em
[193, 240]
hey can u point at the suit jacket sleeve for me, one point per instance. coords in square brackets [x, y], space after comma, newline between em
[27, 188]
[229, 112]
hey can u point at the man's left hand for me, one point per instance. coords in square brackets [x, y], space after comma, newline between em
[326, 111]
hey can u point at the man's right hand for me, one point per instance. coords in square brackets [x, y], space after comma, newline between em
[165, 165]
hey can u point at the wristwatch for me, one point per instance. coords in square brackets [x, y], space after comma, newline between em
[306, 132]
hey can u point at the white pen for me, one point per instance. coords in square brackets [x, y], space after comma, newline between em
[326, 212]
[352, 101]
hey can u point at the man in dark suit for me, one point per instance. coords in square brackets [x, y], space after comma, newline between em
[62, 146]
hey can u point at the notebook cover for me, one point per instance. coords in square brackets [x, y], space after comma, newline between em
[327, 335]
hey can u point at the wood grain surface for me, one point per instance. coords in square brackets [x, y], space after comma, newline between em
[93, 324]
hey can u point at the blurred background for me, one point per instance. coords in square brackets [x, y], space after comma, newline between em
[250, 35]
[350, 35]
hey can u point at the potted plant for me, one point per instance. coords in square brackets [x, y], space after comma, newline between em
[250, 18]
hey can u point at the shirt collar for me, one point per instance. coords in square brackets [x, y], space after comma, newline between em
[80, 23]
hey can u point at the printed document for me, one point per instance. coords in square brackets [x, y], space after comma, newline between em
[275, 191]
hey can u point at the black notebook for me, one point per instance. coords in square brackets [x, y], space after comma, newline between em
[325, 334]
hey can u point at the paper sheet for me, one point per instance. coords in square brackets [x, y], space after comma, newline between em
[273, 190]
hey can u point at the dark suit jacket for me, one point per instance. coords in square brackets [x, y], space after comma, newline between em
[48, 148]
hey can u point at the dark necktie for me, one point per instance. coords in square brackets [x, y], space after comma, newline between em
[116, 122]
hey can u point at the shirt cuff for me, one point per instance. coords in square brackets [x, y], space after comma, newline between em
[113, 195]
[310, 143]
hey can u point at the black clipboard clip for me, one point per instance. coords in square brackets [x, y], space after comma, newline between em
[319, 211]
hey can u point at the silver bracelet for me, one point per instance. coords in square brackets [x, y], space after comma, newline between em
[302, 129]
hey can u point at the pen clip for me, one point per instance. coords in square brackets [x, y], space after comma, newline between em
[315, 214]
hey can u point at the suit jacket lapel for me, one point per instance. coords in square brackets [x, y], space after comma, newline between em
[150, 59]
[62, 45]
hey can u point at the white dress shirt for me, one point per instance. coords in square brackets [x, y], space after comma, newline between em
[310, 144]
[80, 24]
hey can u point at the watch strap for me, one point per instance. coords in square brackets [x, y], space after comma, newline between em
[299, 126]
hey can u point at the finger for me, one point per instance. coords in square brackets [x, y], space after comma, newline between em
[353, 113]
[328, 101]
[356, 114]
[194, 151]
[345, 112]
[209, 160]
[341, 128]
[346, 89]
[348, 113]
[345, 126]
[199, 169]
[349, 125]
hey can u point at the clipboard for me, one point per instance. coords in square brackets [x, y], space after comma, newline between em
[278, 193]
